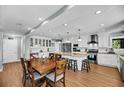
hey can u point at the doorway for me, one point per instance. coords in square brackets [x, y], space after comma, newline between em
[10, 49]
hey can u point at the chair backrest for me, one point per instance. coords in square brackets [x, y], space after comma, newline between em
[34, 55]
[51, 56]
[58, 57]
[60, 67]
[29, 67]
[23, 65]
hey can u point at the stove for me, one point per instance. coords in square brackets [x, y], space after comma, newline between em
[92, 55]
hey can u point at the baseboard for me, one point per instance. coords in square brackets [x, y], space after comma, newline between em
[11, 61]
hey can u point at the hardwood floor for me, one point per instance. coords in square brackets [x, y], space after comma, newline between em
[98, 76]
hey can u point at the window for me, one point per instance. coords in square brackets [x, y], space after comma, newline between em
[118, 43]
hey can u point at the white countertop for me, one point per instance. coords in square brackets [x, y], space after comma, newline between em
[122, 57]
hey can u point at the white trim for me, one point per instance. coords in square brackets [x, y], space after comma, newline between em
[11, 61]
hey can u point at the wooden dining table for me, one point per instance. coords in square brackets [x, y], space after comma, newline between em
[43, 67]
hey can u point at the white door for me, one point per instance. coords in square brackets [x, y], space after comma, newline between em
[10, 50]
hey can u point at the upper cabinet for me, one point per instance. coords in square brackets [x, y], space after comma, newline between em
[104, 39]
[31, 42]
[40, 42]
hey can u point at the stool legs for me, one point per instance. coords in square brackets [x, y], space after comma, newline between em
[73, 64]
[85, 65]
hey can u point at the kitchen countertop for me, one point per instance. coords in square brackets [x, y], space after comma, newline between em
[74, 54]
[121, 56]
[106, 53]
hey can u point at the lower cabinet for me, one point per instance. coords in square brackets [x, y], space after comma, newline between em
[122, 68]
[107, 59]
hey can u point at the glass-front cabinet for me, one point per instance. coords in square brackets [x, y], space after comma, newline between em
[40, 42]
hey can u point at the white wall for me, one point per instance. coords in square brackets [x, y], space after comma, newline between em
[0, 50]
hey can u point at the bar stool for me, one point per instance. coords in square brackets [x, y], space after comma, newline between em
[85, 65]
[73, 64]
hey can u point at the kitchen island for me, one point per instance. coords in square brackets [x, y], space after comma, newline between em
[76, 56]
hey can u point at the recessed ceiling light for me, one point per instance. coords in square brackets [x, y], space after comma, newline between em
[45, 22]
[98, 12]
[101, 25]
[39, 18]
[65, 24]
[29, 28]
[32, 30]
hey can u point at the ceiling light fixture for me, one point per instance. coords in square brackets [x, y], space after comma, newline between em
[65, 24]
[39, 18]
[45, 22]
[71, 6]
[28, 28]
[101, 25]
[67, 41]
[32, 30]
[79, 38]
[98, 12]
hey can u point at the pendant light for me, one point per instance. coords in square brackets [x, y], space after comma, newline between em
[79, 38]
[67, 41]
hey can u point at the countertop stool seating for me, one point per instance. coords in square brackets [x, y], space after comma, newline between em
[73, 64]
[25, 71]
[58, 75]
[85, 65]
[36, 78]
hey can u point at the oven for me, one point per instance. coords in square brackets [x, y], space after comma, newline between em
[92, 56]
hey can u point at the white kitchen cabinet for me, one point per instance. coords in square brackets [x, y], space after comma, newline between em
[121, 68]
[107, 59]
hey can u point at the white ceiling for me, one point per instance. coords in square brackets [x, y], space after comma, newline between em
[16, 19]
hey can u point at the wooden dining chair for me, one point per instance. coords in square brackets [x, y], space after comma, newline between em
[58, 57]
[34, 75]
[51, 56]
[58, 75]
[25, 71]
[34, 55]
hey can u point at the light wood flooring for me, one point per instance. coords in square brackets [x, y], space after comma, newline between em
[98, 76]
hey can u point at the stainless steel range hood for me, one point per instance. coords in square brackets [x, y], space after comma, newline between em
[93, 39]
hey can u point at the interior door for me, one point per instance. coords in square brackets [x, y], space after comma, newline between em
[10, 50]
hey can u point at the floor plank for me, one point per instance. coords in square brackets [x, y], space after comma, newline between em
[98, 76]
